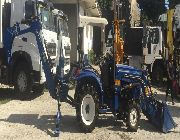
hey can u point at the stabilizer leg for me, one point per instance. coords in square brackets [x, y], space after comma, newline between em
[58, 119]
[168, 122]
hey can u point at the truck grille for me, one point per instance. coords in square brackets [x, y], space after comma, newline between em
[53, 61]
[66, 62]
[67, 50]
[51, 49]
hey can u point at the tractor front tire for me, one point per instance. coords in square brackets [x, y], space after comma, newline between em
[87, 108]
[133, 117]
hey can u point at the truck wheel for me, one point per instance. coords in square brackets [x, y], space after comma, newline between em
[133, 117]
[22, 80]
[39, 88]
[157, 75]
[87, 110]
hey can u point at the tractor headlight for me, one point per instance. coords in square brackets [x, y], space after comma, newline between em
[149, 77]
[117, 82]
[146, 90]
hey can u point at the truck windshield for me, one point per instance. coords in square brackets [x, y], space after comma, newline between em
[151, 36]
[63, 27]
[155, 36]
[47, 19]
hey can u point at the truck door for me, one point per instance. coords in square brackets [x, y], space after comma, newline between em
[153, 47]
[155, 44]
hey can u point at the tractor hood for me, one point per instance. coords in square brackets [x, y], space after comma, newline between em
[124, 70]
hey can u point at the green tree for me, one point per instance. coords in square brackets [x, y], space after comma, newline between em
[105, 4]
[172, 3]
[109, 14]
[151, 9]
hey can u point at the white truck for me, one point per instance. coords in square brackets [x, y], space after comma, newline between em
[145, 50]
[21, 67]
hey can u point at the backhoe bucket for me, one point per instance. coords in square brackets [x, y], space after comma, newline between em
[158, 114]
[168, 122]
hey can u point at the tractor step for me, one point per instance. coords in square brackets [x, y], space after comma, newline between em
[3, 72]
[105, 111]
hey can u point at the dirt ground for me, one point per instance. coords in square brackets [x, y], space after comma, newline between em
[34, 119]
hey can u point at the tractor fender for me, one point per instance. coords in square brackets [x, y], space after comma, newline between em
[89, 76]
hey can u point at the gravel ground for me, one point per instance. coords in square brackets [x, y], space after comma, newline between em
[34, 119]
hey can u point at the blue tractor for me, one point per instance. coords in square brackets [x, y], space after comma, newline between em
[116, 90]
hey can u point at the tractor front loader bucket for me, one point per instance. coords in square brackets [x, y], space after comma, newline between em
[157, 113]
[168, 122]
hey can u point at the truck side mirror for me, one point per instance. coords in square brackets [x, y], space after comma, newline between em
[110, 39]
[110, 35]
[29, 9]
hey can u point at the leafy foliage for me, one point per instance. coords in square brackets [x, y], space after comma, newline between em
[105, 4]
[91, 56]
[152, 8]
[172, 3]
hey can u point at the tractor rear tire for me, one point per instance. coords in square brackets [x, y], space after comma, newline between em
[133, 117]
[87, 107]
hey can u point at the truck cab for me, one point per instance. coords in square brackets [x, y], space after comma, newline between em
[177, 16]
[23, 65]
[152, 46]
[145, 49]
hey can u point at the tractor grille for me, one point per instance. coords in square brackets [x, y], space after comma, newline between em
[51, 49]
